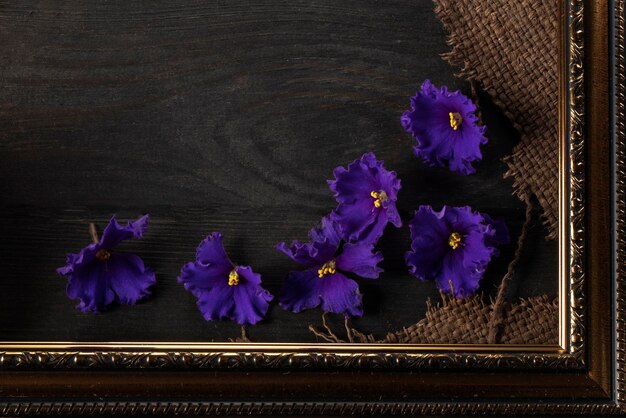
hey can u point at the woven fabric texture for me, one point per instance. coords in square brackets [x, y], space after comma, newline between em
[466, 321]
[510, 49]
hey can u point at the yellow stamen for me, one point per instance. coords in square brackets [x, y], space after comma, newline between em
[455, 240]
[233, 278]
[103, 255]
[455, 120]
[379, 197]
[328, 268]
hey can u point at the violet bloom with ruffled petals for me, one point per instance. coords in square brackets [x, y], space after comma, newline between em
[324, 282]
[366, 193]
[223, 289]
[445, 127]
[98, 276]
[453, 247]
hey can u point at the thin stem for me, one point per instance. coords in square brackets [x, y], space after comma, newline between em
[323, 336]
[497, 316]
[348, 330]
[94, 233]
[244, 336]
[475, 87]
[330, 336]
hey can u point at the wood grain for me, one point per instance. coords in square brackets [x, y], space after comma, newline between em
[219, 115]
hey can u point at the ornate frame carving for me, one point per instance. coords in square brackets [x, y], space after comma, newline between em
[583, 374]
[619, 188]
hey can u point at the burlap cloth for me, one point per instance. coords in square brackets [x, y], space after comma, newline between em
[467, 321]
[509, 48]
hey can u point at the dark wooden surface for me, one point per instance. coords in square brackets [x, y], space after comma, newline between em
[223, 116]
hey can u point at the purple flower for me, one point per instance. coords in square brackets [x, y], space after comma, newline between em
[366, 194]
[223, 289]
[445, 127]
[98, 276]
[454, 246]
[324, 282]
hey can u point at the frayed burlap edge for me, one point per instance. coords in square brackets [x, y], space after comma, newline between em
[517, 68]
[465, 321]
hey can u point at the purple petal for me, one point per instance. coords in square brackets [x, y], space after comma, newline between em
[462, 271]
[501, 234]
[360, 259]
[372, 233]
[300, 291]
[198, 277]
[251, 303]
[437, 142]
[245, 302]
[322, 247]
[393, 216]
[472, 257]
[335, 292]
[453, 276]
[87, 282]
[128, 277]
[211, 251]
[84, 256]
[360, 213]
[300, 253]
[389, 182]
[326, 232]
[429, 243]
[247, 275]
[433, 257]
[211, 267]
[97, 282]
[355, 218]
[217, 302]
[357, 181]
[114, 233]
[340, 295]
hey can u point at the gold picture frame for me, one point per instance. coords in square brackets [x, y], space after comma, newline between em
[583, 374]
